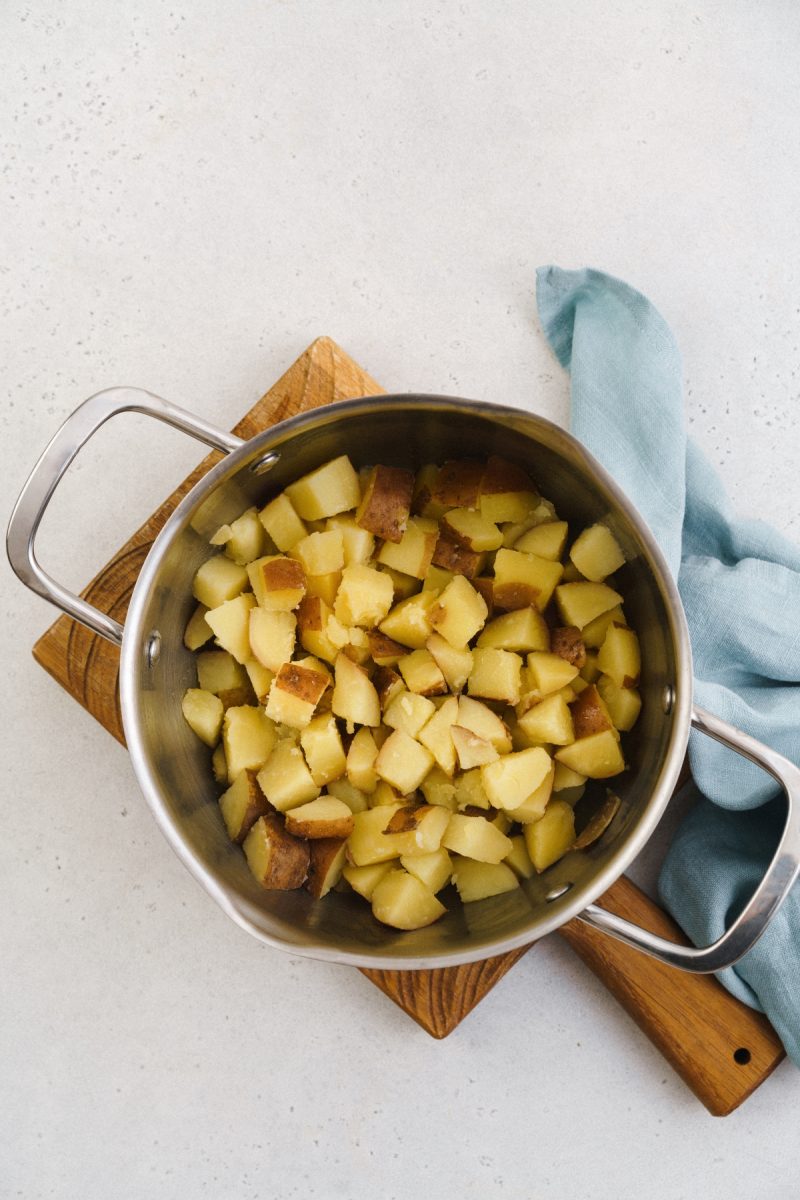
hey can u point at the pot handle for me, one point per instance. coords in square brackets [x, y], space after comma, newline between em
[768, 896]
[46, 475]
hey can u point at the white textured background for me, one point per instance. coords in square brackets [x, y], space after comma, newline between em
[190, 193]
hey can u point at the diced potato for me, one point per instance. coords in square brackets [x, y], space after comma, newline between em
[509, 781]
[282, 523]
[459, 613]
[623, 704]
[597, 756]
[218, 579]
[383, 795]
[470, 792]
[404, 585]
[472, 750]
[433, 869]
[321, 553]
[197, 631]
[455, 664]
[550, 672]
[358, 543]
[409, 622]
[524, 579]
[549, 721]
[285, 778]
[277, 859]
[565, 778]
[590, 670]
[369, 843]
[475, 837]
[534, 806]
[452, 557]
[333, 488]
[408, 712]
[282, 584]
[219, 766]
[326, 863]
[596, 553]
[619, 656]
[386, 505]
[412, 554]
[322, 746]
[246, 538]
[389, 685]
[579, 603]
[594, 634]
[203, 714]
[361, 761]
[418, 829]
[589, 713]
[364, 596]
[230, 623]
[480, 880]
[435, 735]
[272, 637]
[325, 817]
[313, 615]
[403, 901]
[567, 643]
[402, 762]
[521, 630]
[218, 671]
[481, 720]
[364, 880]
[495, 675]
[294, 695]
[241, 805]
[549, 839]
[421, 673]
[545, 541]
[519, 860]
[324, 586]
[507, 492]
[438, 788]
[260, 678]
[383, 650]
[436, 579]
[355, 800]
[354, 697]
[422, 502]
[458, 484]
[470, 529]
[248, 736]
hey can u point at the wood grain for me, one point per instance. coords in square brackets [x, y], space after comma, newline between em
[692, 1020]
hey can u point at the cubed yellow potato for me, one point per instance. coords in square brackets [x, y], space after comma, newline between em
[245, 540]
[579, 603]
[276, 859]
[230, 623]
[594, 634]
[241, 805]
[509, 781]
[454, 663]
[325, 817]
[550, 672]
[285, 778]
[321, 553]
[469, 790]
[333, 488]
[403, 585]
[475, 837]
[438, 788]
[597, 756]
[549, 721]
[412, 555]
[281, 583]
[495, 675]
[197, 631]
[468, 527]
[421, 673]
[358, 543]
[403, 901]
[459, 613]
[248, 736]
[481, 720]
[272, 637]
[590, 671]
[480, 880]
[260, 678]
[436, 579]
[545, 541]
[218, 579]
[364, 880]
[619, 656]
[549, 839]
[521, 630]
[435, 735]
[519, 860]
[355, 800]
[403, 762]
[369, 843]
[534, 805]
[408, 711]
[458, 483]
[324, 586]
[282, 523]
[433, 869]
[422, 502]
[219, 766]
[361, 761]
[409, 622]
[327, 857]
[313, 615]
[364, 596]
[203, 713]
[472, 750]
[524, 579]
[597, 553]
[507, 493]
[354, 697]
[623, 704]
[323, 750]
[219, 672]
[565, 778]
[386, 504]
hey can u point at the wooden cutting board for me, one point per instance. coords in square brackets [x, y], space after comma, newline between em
[722, 1049]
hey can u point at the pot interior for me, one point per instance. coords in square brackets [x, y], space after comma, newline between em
[173, 767]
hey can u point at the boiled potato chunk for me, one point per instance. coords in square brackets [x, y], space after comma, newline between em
[596, 553]
[507, 492]
[219, 766]
[364, 596]
[409, 622]
[413, 553]
[333, 488]
[471, 529]
[475, 837]
[454, 663]
[433, 869]
[327, 857]
[550, 838]
[386, 505]
[383, 650]
[241, 805]
[355, 800]
[358, 543]
[403, 901]
[623, 704]
[535, 805]
[456, 559]
[495, 675]
[324, 586]
[438, 788]
[524, 579]
[278, 860]
[402, 762]
[550, 672]
[272, 637]
[323, 750]
[519, 860]
[458, 484]
[459, 613]
[245, 540]
[481, 720]
[197, 631]
[294, 695]
[567, 643]
[619, 656]
[285, 778]
[248, 736]
[472, 750]
[436, 735]
[369, 843]
[469, 791]
[354, 697]
[313, 616]
[218, 672]
[218, 579]
[480, 880]
[418, 830]
[546, 540]
[594, 634]
[282, 584]
[565, 777]
[203, 714]
[409, 712]
[548, 721]
[421, 673]
[589, 713]
[597, 756]
[364, 880]
[579, 603]
[260, 678]
[230, 623]
[325, 817]
[360, 763]
[520, 630]
[509, 781]
[321, 553]
[282, 523]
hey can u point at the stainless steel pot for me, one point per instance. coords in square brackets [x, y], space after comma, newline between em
[172, 766]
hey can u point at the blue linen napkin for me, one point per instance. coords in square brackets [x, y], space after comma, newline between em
[740, 585]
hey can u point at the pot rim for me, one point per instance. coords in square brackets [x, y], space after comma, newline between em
[134, 661]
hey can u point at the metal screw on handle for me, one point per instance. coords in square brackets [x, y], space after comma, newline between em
[51, 467]
[780, 875]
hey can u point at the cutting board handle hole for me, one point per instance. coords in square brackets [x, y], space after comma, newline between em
[742, 1056]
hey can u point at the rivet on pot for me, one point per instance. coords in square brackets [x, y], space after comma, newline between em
[265, 463]
[668, 698]
[152, 648]
[556, 892]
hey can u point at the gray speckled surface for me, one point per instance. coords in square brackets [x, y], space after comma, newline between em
[190, 193]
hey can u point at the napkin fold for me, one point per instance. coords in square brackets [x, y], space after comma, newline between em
[739, 581]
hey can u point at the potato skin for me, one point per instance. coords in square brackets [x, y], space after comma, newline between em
[290, 856]
[502, 476]
[459, 485]
[386, 506]
[323, 852]
[567, 643]
[588, 713]
[340, 827]
[452, 557]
